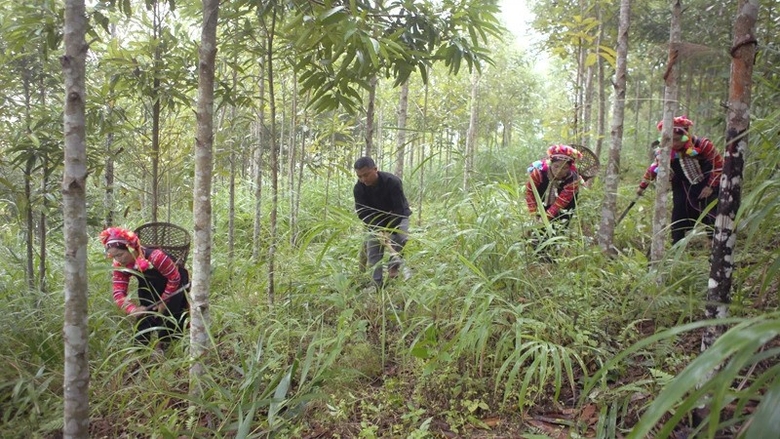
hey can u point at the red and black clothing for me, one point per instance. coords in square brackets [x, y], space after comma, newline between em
[558, 196]
[162, 280]
[696, 166]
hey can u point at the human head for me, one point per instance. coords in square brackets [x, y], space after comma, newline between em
[680, 132]
[121, 244]
[562, 159]
[366, 171]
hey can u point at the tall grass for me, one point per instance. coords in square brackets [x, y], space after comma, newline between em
[485, 327]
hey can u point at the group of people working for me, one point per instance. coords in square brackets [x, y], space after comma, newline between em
[695, 166]
[380, 202]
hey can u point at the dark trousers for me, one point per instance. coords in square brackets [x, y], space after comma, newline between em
[171, 323]
[687, 207]
[375, 248]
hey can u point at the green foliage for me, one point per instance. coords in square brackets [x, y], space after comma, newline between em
[343, 45]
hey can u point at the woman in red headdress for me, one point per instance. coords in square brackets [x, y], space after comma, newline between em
[555, 182]
[161, 285]
[696, 167]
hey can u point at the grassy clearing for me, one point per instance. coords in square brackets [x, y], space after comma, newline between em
[486, 339]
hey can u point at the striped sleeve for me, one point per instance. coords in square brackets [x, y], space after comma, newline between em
[564, 198]
[534, 180]
[120, 280]
[710, 153]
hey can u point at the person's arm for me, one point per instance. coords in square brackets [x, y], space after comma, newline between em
[398, 203]
[534, 180]
[362, 208]
[167, 267]
[120, 281]
[711, 154]
[564, 198]
[650, 173]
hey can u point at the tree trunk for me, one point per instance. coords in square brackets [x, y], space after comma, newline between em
[291, 150]
[608, 207]
[302, 164]
[232, 206]
[422, 157]
[258, 177]
[743, 53]
[29, 215]
[370, 109]
[74, 187]
[403, 111]
[232, 182]
[108, 183]
[602, 91]
[274, 163]
[155, 156]
[471, 136]
[42, 228]
[662, 182]
[200, 316]
[587, 110]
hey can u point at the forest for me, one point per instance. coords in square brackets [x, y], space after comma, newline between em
[239, 122]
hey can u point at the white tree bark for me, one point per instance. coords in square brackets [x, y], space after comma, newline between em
[204, 142]
[400, 144]
[74, 184]
[608, 206]
[471, 136]
[662, 182]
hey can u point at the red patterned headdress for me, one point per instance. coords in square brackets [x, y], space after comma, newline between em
[563, 152]
[678, 122]
[120, 238]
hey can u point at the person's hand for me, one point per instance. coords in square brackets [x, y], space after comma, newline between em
[161, 307]
[706, 192]
[138, 311]
[640, 192]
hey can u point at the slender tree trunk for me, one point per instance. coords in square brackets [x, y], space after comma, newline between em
[200, 315]
[274, 164]
[743, 54]
[108, 183]
[587, 106]
[608, 207]
[232, 206]
[155, 156]
[29, 213]
[30, 224]
[232, 182]
[258, 177]
[403, 111]
[471, 136]
[602, 91]
[370, 108]
[291, 160]
[422, 157]
[302, 164]
[74, 189]
[637, 94]
[42, 228]
[42, 219]
[662, 183]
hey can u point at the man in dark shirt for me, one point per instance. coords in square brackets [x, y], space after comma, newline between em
[381, 204]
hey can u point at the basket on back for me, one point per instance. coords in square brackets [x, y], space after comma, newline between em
[168, 237]
[588, 166]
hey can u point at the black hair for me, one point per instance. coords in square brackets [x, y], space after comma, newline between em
[364, 162]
